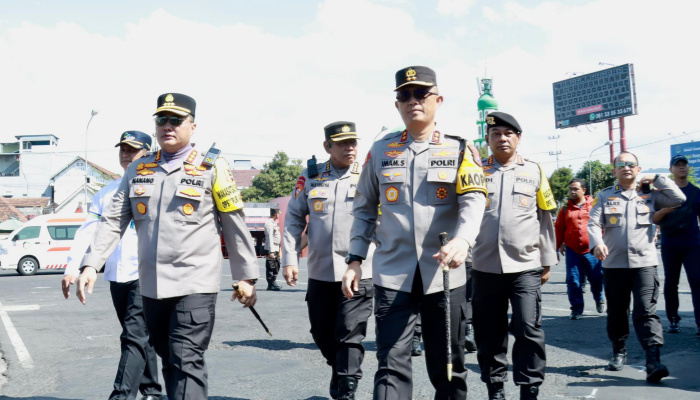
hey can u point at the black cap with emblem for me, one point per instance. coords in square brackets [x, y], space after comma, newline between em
[416, 75]
[341, 130]
[135, 139]
[498, 118]
[176, 103]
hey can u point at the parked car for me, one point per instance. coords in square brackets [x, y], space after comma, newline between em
[42, 243]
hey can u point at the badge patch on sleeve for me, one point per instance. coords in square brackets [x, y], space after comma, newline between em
[225, 191]
[369, 156]
[475, 154]
[299, 186]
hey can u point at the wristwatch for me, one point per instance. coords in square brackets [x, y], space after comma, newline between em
[352, 257]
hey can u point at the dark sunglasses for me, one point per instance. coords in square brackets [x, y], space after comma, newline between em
[174, 121]
[622, 165]
[403, 96]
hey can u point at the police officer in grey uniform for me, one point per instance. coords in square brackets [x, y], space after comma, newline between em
[338, 324]
[272, 245]
[625, 213]
[427, 183]
[512, 256]
[180, 199]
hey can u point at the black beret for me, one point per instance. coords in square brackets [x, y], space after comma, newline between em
[417, 75]
[135, 139]
[340, 130]
[176, 103]
[498, 118]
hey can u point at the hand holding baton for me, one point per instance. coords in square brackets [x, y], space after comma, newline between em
[444, 239]
[251, 308]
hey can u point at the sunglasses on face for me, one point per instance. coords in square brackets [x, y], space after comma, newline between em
[403, 96]
[174, 121]
[622, 165]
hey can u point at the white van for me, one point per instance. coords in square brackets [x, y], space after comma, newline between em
[42, 243]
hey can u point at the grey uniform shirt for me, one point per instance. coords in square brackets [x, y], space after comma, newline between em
[517, 231]
[272, 235]
[327, 200]
[176, 220]
[626, 216]
[417, 186]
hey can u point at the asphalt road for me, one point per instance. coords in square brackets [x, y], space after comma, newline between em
[52, 348]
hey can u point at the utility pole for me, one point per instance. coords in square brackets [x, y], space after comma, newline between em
[556, 144]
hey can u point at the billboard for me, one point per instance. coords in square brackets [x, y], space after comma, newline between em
[595, 97]
[691, 151]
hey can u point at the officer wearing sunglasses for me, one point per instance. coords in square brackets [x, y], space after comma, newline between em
[625, 213]
[180, 199]
[427, 182]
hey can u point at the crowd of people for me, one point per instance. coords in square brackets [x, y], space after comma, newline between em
[374, 232]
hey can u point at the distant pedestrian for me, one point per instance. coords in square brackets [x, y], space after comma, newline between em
[572, 240]
[272, 245]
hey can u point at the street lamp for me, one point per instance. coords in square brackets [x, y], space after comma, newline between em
[590, 169]
[92, 115]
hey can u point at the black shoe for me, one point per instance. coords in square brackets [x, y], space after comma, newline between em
[333, 388]
[618, 360]
[416, 350]
[575, 315]
[529, 392]
[674, 328]
[469, 342]
[347, 385]
[600, 307]
[272, 285]
[496, 391]
[655, 370]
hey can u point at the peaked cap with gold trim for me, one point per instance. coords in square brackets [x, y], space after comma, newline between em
[416, 75]
[341, 130]
[176, 103]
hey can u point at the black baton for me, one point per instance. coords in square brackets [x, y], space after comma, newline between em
[251, 308]
[444, 238]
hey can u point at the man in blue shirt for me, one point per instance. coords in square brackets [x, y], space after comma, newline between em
[680, 244]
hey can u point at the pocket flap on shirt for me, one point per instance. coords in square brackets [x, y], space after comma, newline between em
[524, 188]
[442, 175]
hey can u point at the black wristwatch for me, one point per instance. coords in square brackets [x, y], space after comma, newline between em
[352, 257]
[655, 178]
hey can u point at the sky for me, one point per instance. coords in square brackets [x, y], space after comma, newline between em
[269, 75]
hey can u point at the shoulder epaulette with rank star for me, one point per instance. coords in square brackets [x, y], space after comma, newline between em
[355, 168]
[158, 156]
[489, 161]
[436, 137]
[519, 159]
[191, 157]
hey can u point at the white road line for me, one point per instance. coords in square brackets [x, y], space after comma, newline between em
[48, 287]
[32, 307]
[22, 353]
[556, 309]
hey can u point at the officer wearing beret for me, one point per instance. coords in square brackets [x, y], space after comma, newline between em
[338, 324]
[272, 245]
[511, 259]
[625, 213]
[138, 364]
[180, 199]
[427, 182]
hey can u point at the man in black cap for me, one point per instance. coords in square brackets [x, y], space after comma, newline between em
[427, 183]
[324, 195]
[180, 199]
[511, 259]
[680, 244]
[138, 364]
[272, 245]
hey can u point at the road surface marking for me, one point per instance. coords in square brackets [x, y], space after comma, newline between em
[22, 353]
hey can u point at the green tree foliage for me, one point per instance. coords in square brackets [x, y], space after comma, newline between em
[602, 176]
[559, 182]
[276, 179]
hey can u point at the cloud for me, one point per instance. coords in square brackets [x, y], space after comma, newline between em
[456, 8]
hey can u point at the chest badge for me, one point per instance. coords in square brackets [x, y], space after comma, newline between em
[139, 190]
[613, 220]
[393, 153]
[191, 192]
[141, 208]
[187, 209]
[442, 175]
[392, 194]
[524, 201]
[441, 192]
[318, 205]
[392, 175]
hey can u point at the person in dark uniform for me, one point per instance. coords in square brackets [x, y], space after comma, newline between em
[181, 199]
[427, 183]
[272, 245]
[625, 212]
[325, 196]
[513, 253]
[469, 340]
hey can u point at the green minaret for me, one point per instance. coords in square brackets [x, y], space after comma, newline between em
[485, 105]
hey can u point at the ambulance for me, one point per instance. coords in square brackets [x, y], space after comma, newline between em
[42, 243]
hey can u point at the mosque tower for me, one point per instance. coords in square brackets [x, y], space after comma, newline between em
[485, 105]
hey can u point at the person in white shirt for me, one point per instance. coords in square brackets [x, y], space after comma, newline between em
[138, 365]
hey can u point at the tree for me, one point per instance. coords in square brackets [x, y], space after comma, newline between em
[559, 182]
[602, 176]
[276, 179]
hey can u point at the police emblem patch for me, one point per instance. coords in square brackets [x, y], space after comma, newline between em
[188, 209]
[369, 156]
[490, 121]
[441, 192]
[524, 201]
[318, 205]
[391, 175]
[392, 194]
[299, 186]
[613, 220]
[139, 190]
[442, 175]
[393, 153]
[141, 208]
[475, 154]
[410, 75]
